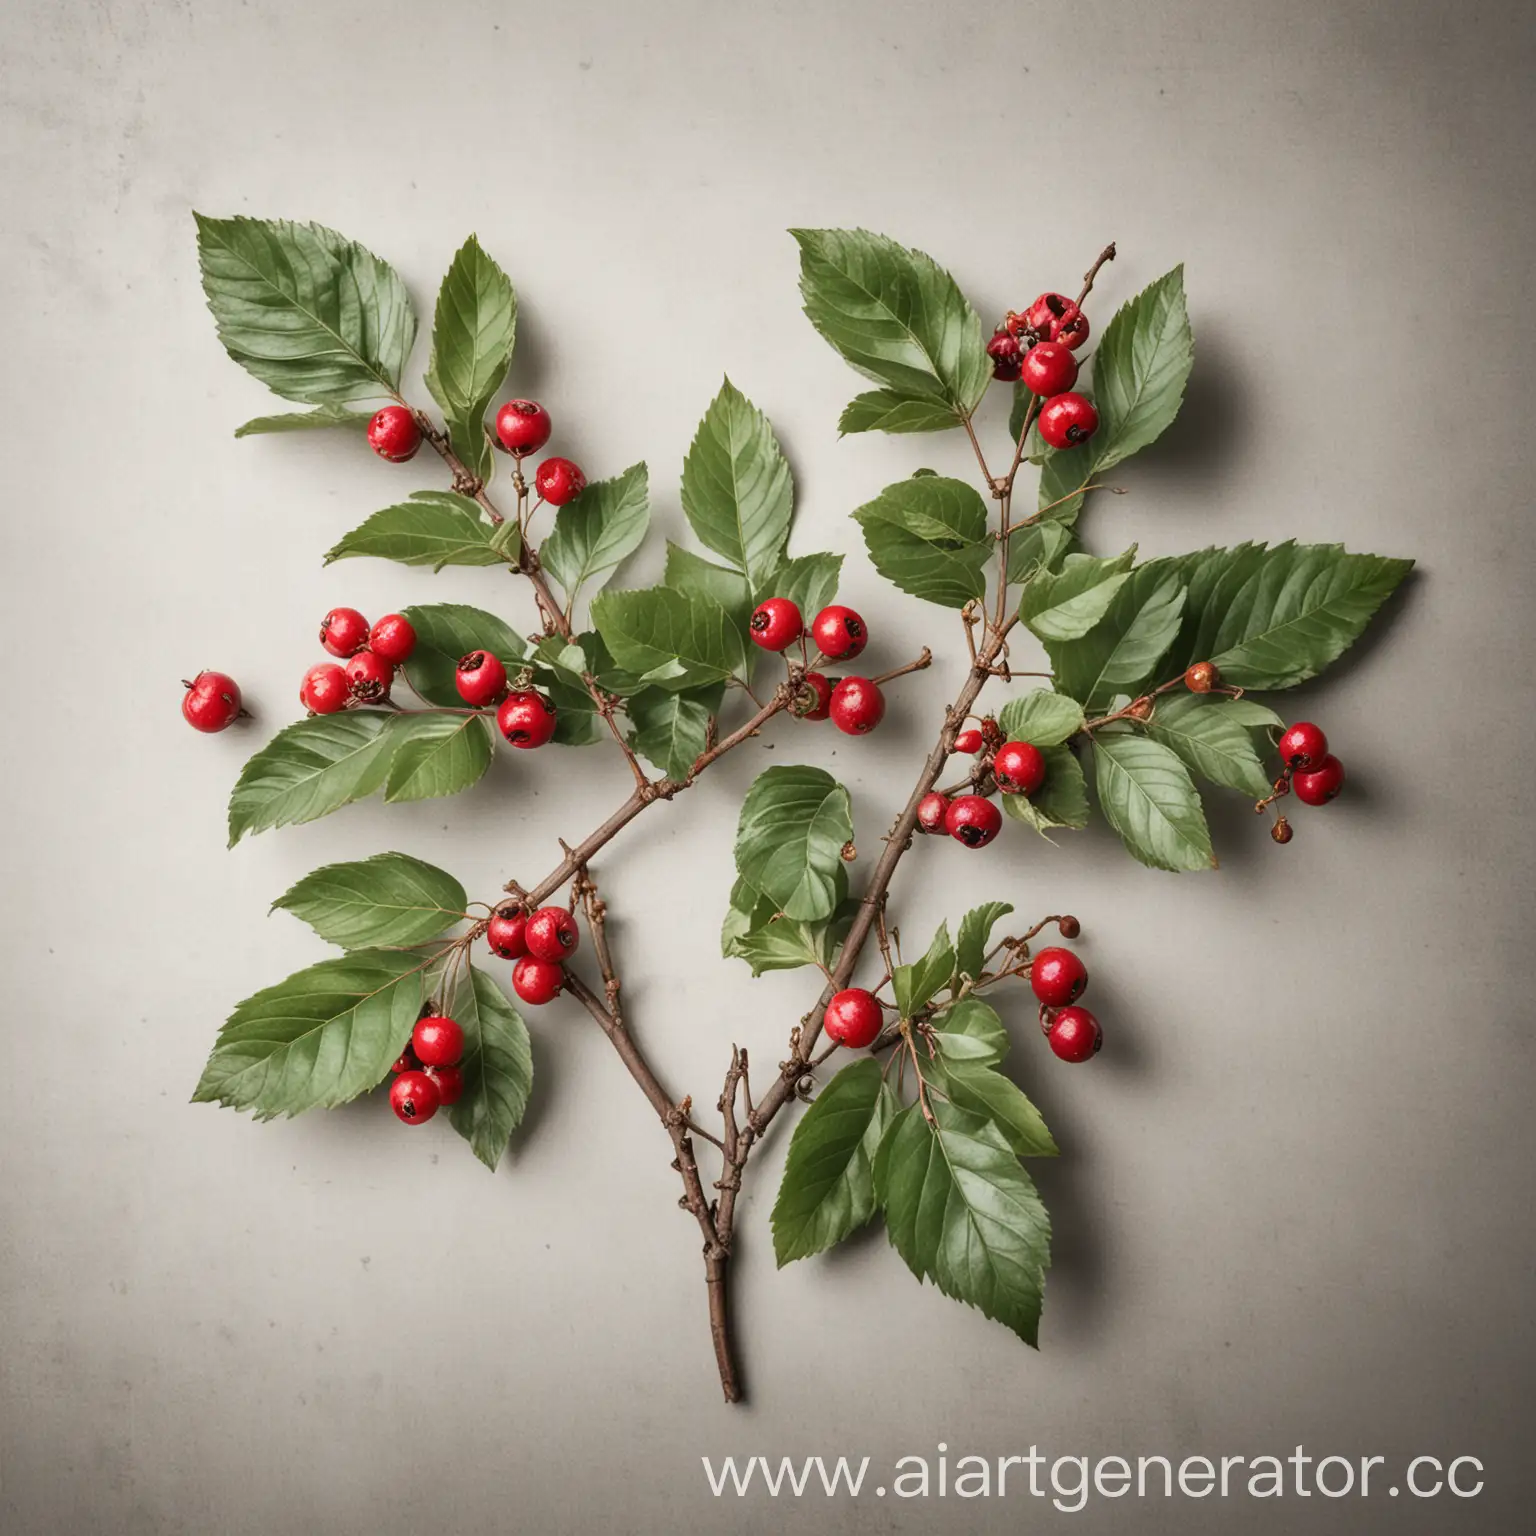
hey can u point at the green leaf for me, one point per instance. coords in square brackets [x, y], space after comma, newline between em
[789, 841]
[309, 769]
[444, 633]
[899, 318]
[596, 532]
[325, 1035]
[307, 421]
[674, 639]
[435, 528]
[1042, 718]
[920, 982]
[1121, 653]
[1065, 605]
[472, 336]
[691, 573]
[313, 315]
[828, 1188]
[976, 935]
[986, 1092]
[437, 755]
[1212, 740]
[963, 1213]
[578, 722]
[737, 491]
[1038, 547]
[808, 581]
[1062, 801]
[1148, 798]
[930, 537]
[670, 728]
[970, 1030]
[388, 900]
[497, 1066]
[755, 931]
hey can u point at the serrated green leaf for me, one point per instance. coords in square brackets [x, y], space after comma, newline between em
[472, 336]
[976, 934]
[785, 944]
[985, 1091]
[307, 421]
[436, 755]
[888, 410]
[1120, 654]
[1148, 797]
[578, 721]
[435, 528]
[444, 633]
[1039, 547]
[595, 533]
[670, 638]
[1212, 740]
[828, 1188]
[970, 1030]
[671, 728]
[1062, 801]
[919, 982]
[325, 1035]
[388, 900]
[808, 581]
[313, 315]
[497, 1066]
[930, 537]
[1067, 604]
[789, 840]
[691, 573]
[1042, 718]
[963, 1213]
[309, 769]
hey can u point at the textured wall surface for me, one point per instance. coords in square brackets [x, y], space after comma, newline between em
[1295, 1200]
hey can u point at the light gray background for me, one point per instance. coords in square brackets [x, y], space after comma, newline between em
[1295, 1198]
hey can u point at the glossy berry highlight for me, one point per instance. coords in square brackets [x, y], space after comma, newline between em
[324, 689]
[1317, 786]
[1201, 677]
[438, 1041]
[369, 677]
[968, 741]
[1074, 1035]
[210, 702]
[394, 435]
[1019, 768]
[393, 638]
[1049, 369]
[523, 426]
[480, 678]
[1054, 317]
[506, 934]
[775, 624]
[527, 719]
[552, 934]
[1057, 977]
[537, 981]
[839, 633]
[559, 481]
[858, 706]
[414, 1097]
[449, 1082]
[853, 1018]
[1068, 420]
[931, 811]
[1303, 745]
[972, 820]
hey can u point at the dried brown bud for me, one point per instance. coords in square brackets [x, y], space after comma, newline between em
[848, 853]
[1202, 677]
[1141, 709]
[1281, 831]
[1069, 927]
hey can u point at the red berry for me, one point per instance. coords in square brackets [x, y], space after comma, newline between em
[450, 1084]
[1049, 369]
[968, 741]
[1005, 352]
[1319, 785]
[344, 632]
[1068, 420]
[552, 934]
[1054, 317]
[858, 706]
[405, 1062]
[394, 435]
[559, 481]
[414, 1097]
[480, 678]
[506, 934]
[1075, 1035]
[211, 702]
[776, 624]
[523, 426]
[526, 719]
[1303, 745]
[839, 633]
[972, 820]
[931, 811]
[537, 981]
[437, 1041]
[393, 638]
[369, 677]
[324, 689]
[814, 699]
[1019, 768]
[1058, 977]
[853, 1018]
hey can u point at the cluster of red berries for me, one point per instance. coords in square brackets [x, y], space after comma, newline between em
[540, 943]
[854, 705]
[1311, 772]
[371, 656]
[524, 716]
[427, 1075]
[1058, 978]
[211, 702]
[1017, 768]
[1037, 347]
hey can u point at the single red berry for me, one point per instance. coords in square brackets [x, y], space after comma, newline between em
[1281, 831]
[559, 481]
[210, 702]
[972, 820]
[1054, 317]
[438, 1041]
[931, 811]
[1049, 369]
[369, 677]
[450, 1084]
[1073, 331]
[968, 741]
[1303, 745]
[1068, 420]
[537, 981]
[480, 678]
[324, 689]
[405, 1062]
[1075, 1035]
[1058, 977]
[1201, 677]
[776, 624]
[813, 701]
[858, 706]
[1317, 786]
[394, 435]
[1006, 354]
[414, 1097]
[552, 934]
[523, 426]
[344, 632]
[393, 638]
[838, 633]
[1019, 768]
[853, 1018]
[526, 719]
[506, 934]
